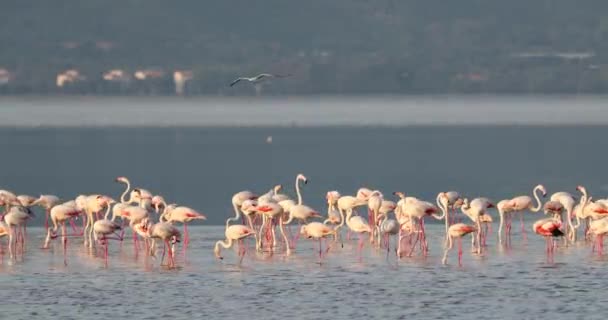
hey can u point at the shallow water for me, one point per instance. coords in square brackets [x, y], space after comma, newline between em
[512, 284]
[203, 166]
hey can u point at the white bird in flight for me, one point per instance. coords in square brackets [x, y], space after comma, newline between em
[259, 78]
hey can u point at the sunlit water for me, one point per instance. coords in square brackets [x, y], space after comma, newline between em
[511, 284]
[199, 159]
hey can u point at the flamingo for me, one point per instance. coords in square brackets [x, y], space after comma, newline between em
[237, 201]
[180, 214]
[59, 215]
[317, 230]
[568, 202]
[416, 210]
[164, 231]
[521, 203]
[236, 232]
[374, 203]
[599, 228]
[548, 228]
[588, 209]
[333, 214]
[15, 218]
[103, 228]
[504, 211]
[386, 228]
[357, 225]
[474, 210]
[46, 201]
[300, 211]
[270, 213]
[554, 208]
[457, 230]
[94, 204]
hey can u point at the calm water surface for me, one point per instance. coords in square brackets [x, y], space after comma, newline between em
[199, 158]
[509, 284]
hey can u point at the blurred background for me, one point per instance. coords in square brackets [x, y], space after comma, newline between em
[197, 47]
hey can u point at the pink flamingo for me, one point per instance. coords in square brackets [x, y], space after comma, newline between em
[599, 228]
[59, 215]
[457, 230]
[234, 233]
[548, 228]
[474, 210]
[47, 202]
[317, 230]
[504, 212]
[104, 228]
[15, 218]
[522, 203]
[165, 232]
[180, 214]
[567, 200]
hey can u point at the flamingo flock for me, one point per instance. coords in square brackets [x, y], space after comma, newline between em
[405, 221]
[136, 212]
[265, 222]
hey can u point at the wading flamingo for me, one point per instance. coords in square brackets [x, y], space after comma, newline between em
[522, 203]
[234, 233]
[457, 230]
[46, 201]
[180, 214]
[104, 228]
[15, 218]
[548, 228]
[599, 228]
[317, 230]
[474, 210]
[504, 213]
[166, 232]
[567, 200]
[59, 215]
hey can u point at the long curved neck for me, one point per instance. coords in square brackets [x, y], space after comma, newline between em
[124, 194]
[237, 215]
[443, 208]
[226, 244]
[298, 191]
[538, 202]
[108, 206]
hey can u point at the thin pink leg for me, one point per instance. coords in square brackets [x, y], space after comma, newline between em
[460, 251]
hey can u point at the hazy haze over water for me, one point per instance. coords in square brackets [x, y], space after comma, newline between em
[302, 111]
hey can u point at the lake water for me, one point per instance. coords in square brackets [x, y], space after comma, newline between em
[198, 152]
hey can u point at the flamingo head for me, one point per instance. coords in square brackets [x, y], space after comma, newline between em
[302, 177]
[542, 188]
[26, 200]
[581, 189]
[122, 179]
[459, 202]
[158, 200]
[278, 188]
[399, 194]
[104, 200]
[248, 206]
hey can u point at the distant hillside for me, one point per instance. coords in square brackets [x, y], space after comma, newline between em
[336, 46]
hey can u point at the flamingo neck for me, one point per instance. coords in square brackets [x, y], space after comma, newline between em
[298, 190]
[538, 202]
[124, 194]
[237, 215]
[107, 211]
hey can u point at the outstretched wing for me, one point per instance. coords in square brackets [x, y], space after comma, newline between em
[263, 75]
[235, 81]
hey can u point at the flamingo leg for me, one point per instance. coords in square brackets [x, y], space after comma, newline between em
[460, 251]
[46, 218]
[523, 229]
[65, 243]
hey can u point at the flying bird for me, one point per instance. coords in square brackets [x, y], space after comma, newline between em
[259, 78]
